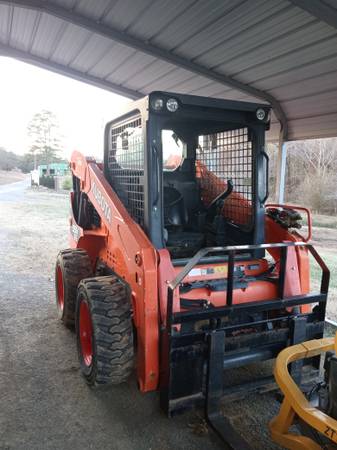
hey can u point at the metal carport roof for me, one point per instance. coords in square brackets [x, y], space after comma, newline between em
[280, 51]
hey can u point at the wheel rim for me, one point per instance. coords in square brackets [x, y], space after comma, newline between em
[85, 332]
[60, 289]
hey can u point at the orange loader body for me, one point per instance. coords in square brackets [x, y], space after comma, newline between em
[124, 247]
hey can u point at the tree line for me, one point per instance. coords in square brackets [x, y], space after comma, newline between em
[311, 174]
[311, 170]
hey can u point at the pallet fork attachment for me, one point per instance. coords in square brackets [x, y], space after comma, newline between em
[193, 361]
[214, 392]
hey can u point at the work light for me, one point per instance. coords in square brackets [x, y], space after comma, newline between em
[157, 104]
[260, 114]
[172, 105]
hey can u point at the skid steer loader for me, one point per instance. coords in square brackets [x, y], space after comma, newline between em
[176, 260]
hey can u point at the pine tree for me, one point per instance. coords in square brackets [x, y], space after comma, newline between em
[45, 136]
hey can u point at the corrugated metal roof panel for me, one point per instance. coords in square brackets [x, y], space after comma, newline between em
[313, 127]
[313, 105]
[247, 43]
[124, 13]
[153, 21]
[311, 86]
[69, 44]
[235, 95]
[269, 44]
[69, 4]
[5, 20]
[209, 89]
[49, 31]
[124, 70]
[172, 78]
[22, 29]
[324, 48]
[331, 3]
[191, 83]
[300, 73]
[289, 44]
[116, 56]
[96, 10]
[192, 22]
[156, 70]
[96, 47]
[242, 15]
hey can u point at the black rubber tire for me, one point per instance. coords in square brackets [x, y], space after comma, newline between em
[108, 299]
[75, 265]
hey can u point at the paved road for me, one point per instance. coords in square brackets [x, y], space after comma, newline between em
[14, 192]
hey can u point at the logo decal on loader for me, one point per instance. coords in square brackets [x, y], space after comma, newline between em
[102, 202]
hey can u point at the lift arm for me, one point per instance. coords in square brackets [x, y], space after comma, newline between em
[120, 244]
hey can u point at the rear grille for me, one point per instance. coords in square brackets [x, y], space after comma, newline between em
[223, 156]
[126, 165]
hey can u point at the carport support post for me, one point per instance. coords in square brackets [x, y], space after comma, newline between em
[281, 171]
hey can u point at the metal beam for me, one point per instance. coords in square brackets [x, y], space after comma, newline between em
[281, 171]
[150, 49]
[6, 50]
[318, 9]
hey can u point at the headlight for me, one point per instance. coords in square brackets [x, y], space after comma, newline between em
[157, 104]
[172, 105]
[260, 114]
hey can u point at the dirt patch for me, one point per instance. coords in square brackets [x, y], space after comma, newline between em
[11, 176]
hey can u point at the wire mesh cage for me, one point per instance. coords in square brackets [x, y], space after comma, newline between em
[126, 165]
[223, 156]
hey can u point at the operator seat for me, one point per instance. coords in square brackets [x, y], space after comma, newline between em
[180, 240]
[175, 212]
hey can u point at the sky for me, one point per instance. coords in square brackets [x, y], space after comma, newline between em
[82, 110]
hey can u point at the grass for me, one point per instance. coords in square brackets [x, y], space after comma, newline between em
[330, 259]
[322, 221]
[326, 244]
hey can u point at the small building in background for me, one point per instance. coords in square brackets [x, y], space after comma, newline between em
[54, 169]
[53, 176]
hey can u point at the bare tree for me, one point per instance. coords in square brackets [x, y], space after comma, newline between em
[319, 156]
[310, 173]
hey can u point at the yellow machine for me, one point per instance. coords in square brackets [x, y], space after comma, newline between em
[318, 423]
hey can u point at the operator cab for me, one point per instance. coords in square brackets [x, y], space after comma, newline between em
[190, 170]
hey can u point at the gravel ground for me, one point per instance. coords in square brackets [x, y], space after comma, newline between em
[44, 402]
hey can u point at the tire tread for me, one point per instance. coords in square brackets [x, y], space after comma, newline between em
[110, 306]
[75, 265]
